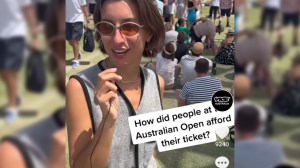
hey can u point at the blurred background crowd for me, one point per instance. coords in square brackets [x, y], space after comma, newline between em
[253, 50]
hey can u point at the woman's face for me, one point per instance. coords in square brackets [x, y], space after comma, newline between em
[121, 49]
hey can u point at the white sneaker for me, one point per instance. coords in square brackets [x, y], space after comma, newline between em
[11, 115]
[75, 64]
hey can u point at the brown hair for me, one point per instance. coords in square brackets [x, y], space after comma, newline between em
[149, 17]
[181, 37]
[169, 51]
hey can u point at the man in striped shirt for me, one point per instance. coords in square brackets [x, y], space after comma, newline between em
[200, 89]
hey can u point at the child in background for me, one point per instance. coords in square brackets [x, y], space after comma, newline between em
[180, 27]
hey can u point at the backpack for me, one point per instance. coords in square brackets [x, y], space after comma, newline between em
[88, 41]
[35, 72]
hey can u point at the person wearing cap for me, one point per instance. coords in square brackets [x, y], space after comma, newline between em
[166, 65]
[182, 47]
[200, 89]
[225, 54]
[204, 27]
[188, 63]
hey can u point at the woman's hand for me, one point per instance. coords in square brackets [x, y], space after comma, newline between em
[106, 94]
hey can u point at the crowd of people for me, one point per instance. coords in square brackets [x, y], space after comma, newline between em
[260, 57]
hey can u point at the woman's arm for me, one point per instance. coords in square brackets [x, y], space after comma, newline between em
[85, 149]
[161, 85]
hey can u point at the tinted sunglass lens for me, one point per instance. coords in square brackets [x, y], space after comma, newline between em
[129, 29]
[105, 28]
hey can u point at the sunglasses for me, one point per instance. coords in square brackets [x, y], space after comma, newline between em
[127, 28]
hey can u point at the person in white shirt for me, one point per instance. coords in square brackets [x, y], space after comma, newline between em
[171, 35]
[166, 65]
[188, 63]
[13, 30]
[76, 10]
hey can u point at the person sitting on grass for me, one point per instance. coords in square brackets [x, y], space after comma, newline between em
[242, 88]
[200, 89]
[251, 150]
[182, 47]
[225, 54]
[188, 63]
[180, 27]
[286, 100]
[166, 65]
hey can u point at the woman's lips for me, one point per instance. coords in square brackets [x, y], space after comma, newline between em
[121, 53]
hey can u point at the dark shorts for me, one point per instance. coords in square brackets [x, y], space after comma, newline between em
[291, 18]
[92, 8]
[194, 36]
[226, 12]
[74, 31]
[12, 53]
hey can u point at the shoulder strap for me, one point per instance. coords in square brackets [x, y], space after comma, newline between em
[21, 147]
[87, 98]
[157, 83]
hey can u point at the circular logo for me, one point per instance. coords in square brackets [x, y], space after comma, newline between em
[222, 100]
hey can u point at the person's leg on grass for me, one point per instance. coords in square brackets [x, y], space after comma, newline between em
[75, 46]
[11, 83]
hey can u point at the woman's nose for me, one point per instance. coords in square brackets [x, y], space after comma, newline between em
[118, 36]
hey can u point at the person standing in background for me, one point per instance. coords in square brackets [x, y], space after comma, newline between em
[13, 31]
[270, 10]
[42, 145]
[226, 6]
[76, 10]
[171, 6]
[191, 16]
[291, 15]
[92, 4]
[181, 7]
[214, 9]
[199, 11]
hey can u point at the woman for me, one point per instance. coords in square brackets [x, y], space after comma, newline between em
[101, 98]
[226, 52]
[192, 8]
[166, 65]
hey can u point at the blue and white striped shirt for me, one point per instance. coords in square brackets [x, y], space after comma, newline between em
[200, 89]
